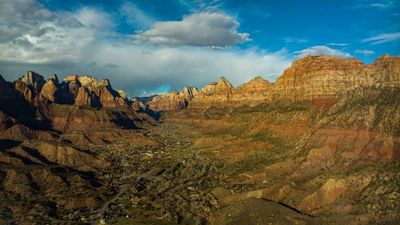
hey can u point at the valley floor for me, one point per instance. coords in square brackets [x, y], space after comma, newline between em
[174, 181]
[218, 167]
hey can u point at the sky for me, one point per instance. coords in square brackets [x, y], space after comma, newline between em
[152, 46]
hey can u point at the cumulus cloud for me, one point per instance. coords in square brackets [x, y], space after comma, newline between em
[31, 33]
[382, 38]
[364, 52]
[140, 66]
[199, 29]
[26, 17]
[66, 43]
[322, 50]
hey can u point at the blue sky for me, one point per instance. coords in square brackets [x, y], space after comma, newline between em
[148, 46]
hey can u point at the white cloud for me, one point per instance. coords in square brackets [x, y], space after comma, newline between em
[337, 44]
[30, 33]
[202, 5]
[199, 29]
[135, 15]
[295, 40]
[322, 50]
[91, 17]
[364, 52]
[379, 4]
[181, 66]
[382, 5]
[58, 43]
[382, 38]
[50, 42]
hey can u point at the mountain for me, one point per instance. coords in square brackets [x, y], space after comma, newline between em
[308, 78]
[173, 100]
[76, 109]
[321, 145]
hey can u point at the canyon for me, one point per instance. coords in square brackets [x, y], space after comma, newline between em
[320, 145]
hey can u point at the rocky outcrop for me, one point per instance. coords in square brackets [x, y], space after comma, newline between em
[12, 103]
[33, 79]
[86, 90]
[83, 98]
[254, 92]
[50, 89]
[19, 132]
[136, 104]
[66, 118]
[64, 155]
[384, 72]
[30, 107]
[327, 194]
[5, 121]
[173, 100]
[315, 77]
[214, 94]
[29, 86]
[7, 93]
[312, 78]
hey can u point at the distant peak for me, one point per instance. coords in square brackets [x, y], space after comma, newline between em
[33, 78]
[87, 80]
[258, 78]
[54, 77]
[325, 60]
[222, 78]
[223, 81]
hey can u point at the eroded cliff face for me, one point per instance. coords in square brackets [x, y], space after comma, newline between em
[308, 78]
[253, 92]
[173, 100]
[33, 108]
[315, 77]
[86, 90]
[321, 77]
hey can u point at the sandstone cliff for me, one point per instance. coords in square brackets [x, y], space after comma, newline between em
[253, 92]
[308, 78]
[216, 93]
[86, 90]
[31, 107]
[173, 100]
[316, 77]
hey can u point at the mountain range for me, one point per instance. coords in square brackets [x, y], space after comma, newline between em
[320, 145]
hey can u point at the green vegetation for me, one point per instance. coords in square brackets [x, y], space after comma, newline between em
[366, 109]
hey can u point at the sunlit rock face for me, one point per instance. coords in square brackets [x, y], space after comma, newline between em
[86, 90]
[253, 92]
[217, 93]
[316, 77]
[50, 90]
[173, 100]
[308, 78]
[29, 86]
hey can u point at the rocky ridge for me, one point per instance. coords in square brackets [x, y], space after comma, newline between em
[308, 78]
[173, 100]
[71, 151]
